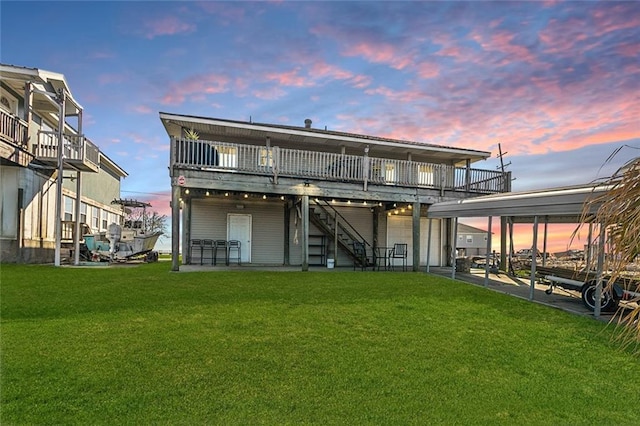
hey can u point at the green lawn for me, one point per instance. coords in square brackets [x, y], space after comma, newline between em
[143, 345]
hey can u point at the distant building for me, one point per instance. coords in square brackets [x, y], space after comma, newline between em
[36, 108]
[471, 241]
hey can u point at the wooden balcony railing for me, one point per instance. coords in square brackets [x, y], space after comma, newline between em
[12, 129]
[77, 150]
[276, 161]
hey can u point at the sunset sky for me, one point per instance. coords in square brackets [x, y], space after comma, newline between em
[557, 84]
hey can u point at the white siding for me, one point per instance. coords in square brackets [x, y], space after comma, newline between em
[209, 221]
[400, 230]
[8, 202]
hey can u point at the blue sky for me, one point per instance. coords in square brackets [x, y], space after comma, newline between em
[556, 83]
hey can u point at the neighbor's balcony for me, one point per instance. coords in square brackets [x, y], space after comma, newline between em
[276, 162]
[12, 129]
[79, 152]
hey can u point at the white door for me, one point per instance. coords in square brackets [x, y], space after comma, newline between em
[239, 228]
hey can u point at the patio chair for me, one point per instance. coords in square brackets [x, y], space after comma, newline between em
[399, 251]
[220, 245]
[360, 255]
[207, 245]
[380, 256]
[234, 246]
[197, 244]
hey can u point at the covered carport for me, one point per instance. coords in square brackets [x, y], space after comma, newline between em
[554, 205]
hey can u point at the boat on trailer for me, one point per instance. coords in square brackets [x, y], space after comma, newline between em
[130, 240]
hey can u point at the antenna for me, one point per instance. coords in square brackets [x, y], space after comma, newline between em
[501, 156]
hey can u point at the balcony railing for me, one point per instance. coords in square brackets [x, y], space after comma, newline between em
[12, 129]
[275, 161]
[77, 150]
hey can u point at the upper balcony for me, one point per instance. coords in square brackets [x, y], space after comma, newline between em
[78, 152]
[276, 162]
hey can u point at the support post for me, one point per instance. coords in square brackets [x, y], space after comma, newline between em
[534, 256]
[186, 230]
[454, 241]
[429, 243]
[503, 244]
[488, 255]
[175, 227]
[544, 241]
[76, 234]
[287, 233]
[416, 236]
[59, 178]
[305, 232]
[601, 242]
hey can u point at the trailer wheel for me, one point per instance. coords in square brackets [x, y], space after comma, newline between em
[607, 303]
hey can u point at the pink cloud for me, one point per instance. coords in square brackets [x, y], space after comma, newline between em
[142, 109]
[195, 87]
[269, 94]
[289, 78]
[169, 25]
[379, 53]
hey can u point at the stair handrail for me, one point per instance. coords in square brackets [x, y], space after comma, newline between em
[344, 220]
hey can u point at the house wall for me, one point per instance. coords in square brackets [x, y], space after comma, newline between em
[209, 221]
[400, 230]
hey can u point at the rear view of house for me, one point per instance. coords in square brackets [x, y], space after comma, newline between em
[304, 196]
[54, 181]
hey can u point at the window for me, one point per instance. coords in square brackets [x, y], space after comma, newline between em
[105, 220]
[95, 218]
[227, 156]
[425, 175]
[266, 157]
[83, 213]
[8, 102]
[68, 208]
[390, 173]
[469, 239]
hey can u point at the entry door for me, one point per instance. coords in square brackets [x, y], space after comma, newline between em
[239, 228]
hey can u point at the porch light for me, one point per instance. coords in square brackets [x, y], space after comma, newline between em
[348, 201]
[187, 191]
[389, 214]
[226, 194]
[207, 193]
[333, 201]
[264, 197]
[395, 212]
[364, 203]
[282, 197]
[402, 210]
[379, 204]
[409, 206]
[246, 195]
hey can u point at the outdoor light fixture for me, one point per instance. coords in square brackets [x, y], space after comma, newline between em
[186, 191]
[264, 197]
[226, 194]
[409, 206]
[246, 195]
[207, 193]
[282, 197]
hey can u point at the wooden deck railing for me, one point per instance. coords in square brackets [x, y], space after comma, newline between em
[276, 161]
[12, 129]
[75, 147]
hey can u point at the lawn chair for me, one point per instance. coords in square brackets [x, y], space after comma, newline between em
[195, 244]
[220, 245]
[399, 251]
[234, 247]
[360, 255]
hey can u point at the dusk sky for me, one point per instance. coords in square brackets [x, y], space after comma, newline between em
[557, 84]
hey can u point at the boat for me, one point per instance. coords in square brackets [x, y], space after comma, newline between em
[130, 240]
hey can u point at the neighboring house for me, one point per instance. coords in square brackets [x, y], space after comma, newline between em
[471, 241]
[36, 213]
[303, 196]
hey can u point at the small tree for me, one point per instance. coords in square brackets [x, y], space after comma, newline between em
[151, 222]
[618, 212]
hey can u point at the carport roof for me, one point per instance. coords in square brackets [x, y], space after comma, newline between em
[558, 205]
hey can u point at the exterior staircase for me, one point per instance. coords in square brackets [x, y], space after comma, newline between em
[332, 224]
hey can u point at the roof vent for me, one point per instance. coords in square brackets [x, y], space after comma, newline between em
[307, 123]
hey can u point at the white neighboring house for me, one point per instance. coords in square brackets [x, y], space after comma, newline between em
[31, 122]
[299, 195]
[471, 241]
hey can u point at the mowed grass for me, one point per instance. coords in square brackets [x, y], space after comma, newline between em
[143, 345]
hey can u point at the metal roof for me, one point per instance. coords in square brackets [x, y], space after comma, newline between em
[282, 134]
[559, 205]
